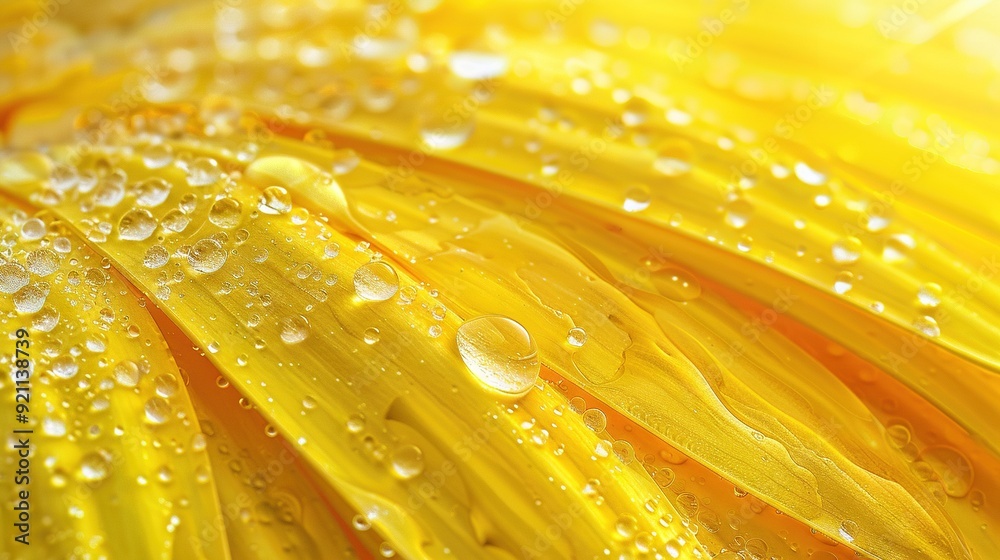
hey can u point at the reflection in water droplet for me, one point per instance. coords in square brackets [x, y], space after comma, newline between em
[595, 419]
[576, 337]
[500, 353]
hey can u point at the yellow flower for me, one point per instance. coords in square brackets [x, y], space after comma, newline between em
[476, 280]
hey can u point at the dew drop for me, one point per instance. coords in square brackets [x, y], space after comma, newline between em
[576, 337]
[500, 353]
[275, 200]
[407, 462]
[94, 467]
[156, 256]
[376, 281]
[207, 255]
[294, 329]
[13, 277]
[637, 199]
[595, 419]
[225, 213]
[930, 294]
[847, 251]
[203, 172]
[927, 326]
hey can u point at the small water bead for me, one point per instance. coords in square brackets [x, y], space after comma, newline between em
[157, 155]
[577, 405]
[203, 172]
[361, 523]
[29, 299]
[94, 467]
[275, 200]
[500, 353]
[158, 410]
[576, 337]
[386, 550]
[687, 504]
[595, 419]
[33, 229]
[930, 295]
[294, 329]
[371, 335]
[407, 461]
[738, 213]
[207, 255]
[156, 257]
[225, 213]
[152, 192]
[356, 423]
[331, 250]
[376, 281]
[927, 326]
[637, 199]
[13, 277]
[847, 251]
[897, 247]
[626, 526]
[849, 530]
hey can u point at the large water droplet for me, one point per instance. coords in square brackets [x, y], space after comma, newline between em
[294, 329]
[500, 353]
[207, 255]
[136, 225]
[225, 213]
[376, 281]
[13, 277]
[407, 461]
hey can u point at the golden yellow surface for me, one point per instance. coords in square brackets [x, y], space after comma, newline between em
[525, 279]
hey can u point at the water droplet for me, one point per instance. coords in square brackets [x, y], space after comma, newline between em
[355, 423]
[376, 281]
[595, 419]
[407, 461]
[207, 255]
[203, 172]
[158, 410]
[275, 200]
[42, 262]
[849, 530]
[500, 353]
[64, 367]
[225, 213]
[953, 469]
[33, 229]
[13, 277]
[152, 192]
[344, 161]
[441, 134]
[844, 282]
[157, 156]
[930, 294]
[294, 329]
[576, 337]
[738, 213]
[927, 326]
[371, 335]
[29, 299]
[175, 221]
[94, 467]
[637, 199]
[156, 256]
[847, 251]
